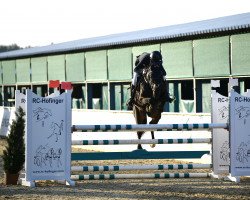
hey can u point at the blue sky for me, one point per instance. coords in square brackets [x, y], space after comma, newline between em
[42, 22]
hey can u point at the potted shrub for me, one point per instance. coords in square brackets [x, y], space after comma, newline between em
[14, 154]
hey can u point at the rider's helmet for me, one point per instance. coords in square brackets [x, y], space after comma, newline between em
[142, 59]
[156, 57]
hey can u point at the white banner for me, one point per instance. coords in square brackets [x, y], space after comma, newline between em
[48, 137]
[240, 134]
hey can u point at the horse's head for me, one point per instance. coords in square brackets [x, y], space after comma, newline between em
[154, 77]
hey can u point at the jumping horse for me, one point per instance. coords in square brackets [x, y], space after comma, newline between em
[150, 97]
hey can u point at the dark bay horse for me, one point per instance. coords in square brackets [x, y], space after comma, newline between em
[150, 96]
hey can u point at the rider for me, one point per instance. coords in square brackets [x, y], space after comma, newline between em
[144, 60]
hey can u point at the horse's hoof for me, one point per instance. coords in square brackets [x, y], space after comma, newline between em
[152, 145]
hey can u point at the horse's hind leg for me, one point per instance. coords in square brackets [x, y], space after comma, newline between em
[154, 121]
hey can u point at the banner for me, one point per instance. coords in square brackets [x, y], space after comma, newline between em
[48, 137]
[220, 137]
[240, 134]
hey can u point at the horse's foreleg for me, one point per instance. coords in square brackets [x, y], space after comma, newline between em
[139, 134]
[153, 137]
[154, 121]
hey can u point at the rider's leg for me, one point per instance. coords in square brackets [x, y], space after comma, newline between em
[133, 85]
[131, 99]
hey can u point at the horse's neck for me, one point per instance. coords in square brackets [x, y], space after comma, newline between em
[145, 90]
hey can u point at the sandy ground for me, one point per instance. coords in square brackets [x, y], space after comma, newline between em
[192, 188]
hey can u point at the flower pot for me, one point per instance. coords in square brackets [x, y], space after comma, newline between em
[11, 179]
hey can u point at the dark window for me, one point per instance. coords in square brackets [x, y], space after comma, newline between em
[187, 92]
[223, 89]
[247, 84]
[119, 95]
[51, 90]
[41, 90]
[97, 90]
[95, 96]
[22, 88]
[9, 96]
[77, 92]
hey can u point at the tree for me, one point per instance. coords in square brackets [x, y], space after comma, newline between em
[4, 48]
[14, 154]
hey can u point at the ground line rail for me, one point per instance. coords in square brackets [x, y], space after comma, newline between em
[144, 141]
[145, 127]
[139, 167]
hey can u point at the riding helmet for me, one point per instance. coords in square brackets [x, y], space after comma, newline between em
[156, 56]
[143, 59]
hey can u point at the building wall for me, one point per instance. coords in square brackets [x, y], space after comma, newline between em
[101, 78]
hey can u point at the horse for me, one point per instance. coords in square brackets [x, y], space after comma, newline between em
[150, 97]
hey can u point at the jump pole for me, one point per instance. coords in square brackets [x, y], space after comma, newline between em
[145, 127]
[139, 167]
[144, 141]
[140, 176]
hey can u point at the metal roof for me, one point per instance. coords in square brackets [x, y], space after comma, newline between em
[217, 25]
